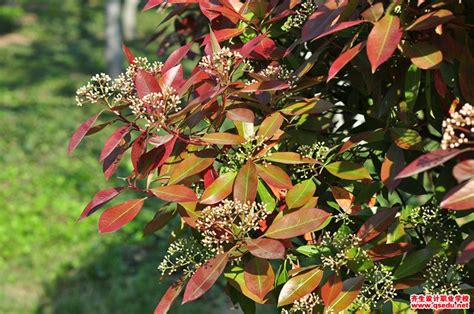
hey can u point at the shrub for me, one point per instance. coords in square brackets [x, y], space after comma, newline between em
[319, 155]
[9, 18]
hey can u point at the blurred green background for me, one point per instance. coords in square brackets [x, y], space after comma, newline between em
[49, 262]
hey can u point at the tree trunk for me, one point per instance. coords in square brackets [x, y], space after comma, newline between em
[129, 19]
[113, 38]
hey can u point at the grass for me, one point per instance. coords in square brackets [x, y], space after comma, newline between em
[50, 263]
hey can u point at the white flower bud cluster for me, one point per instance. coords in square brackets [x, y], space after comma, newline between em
[228, 222]
[304, 305]
[339, 244]
[378, 287]
[186, 255]
[443, 277]
[459, 128]
[319, 151]
[306, 8]
[97, 89]
[220, 65]
[240, 154]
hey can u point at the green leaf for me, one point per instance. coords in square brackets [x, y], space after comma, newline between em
[192, 165]
[265, 196]
[299, 286]
[300, 194]
[350, 290]
[290, 158]
[348, 170]
[413, 263]
[310, 106]
[270, 125]
[406, 138]
[412, 86]
[259, 276]
[219, 189]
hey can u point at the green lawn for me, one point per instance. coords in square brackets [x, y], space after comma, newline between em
[50, 263]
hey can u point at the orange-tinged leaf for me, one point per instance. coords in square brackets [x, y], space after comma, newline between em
[422, 54]
[290, 158]
[274, 176]
[245, 185]
[297, 223]
[192, 165]
[81, 131]
[223, 139]
[331, 289]
[391, 167]
[270, 125]
[350, 290]
[205, 277]
[299, 286]
[265, 86]
[259, 276]
[100, 199]
[117, 216]
[223, 34]
[389, 250]
[431, 20]
[373, 13]
[300, 194]
[406, 138]
[175, 193]
[309, 106]
[344, 58]
[464, 170]
[348, 170]
[241, 114]
[219, 189]
[344, 198]
[376, 224]
[266, 248]
[169, 297]
[428, 161]
[460, 197]
[383, 40]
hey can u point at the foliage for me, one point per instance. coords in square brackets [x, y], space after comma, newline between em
[302, 155]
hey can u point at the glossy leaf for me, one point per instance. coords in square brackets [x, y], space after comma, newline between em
[117, 216]
[223, 139]
[373, 13]
[176, 56]
[146, 83]
[270, 125]
[100, 199]
[266, 248]
[464, 170]
[423, 54]
[344, 199]
[460, 197]
[431, 20]
[265, 86]
[175, 193]
[299, 286]
[259, 276]
[376, 224]
[348, 170]
[113, 141]
[391, 166]
[301, 193]
[81, 131]
[274, 176]
[413, 263]
[169, 297]
[310, 106]
[219, 189]
[241, 114]
[319, 22]
[406, 138]
[428, 161]
[331, 289]
[245, 185]
[350, 290]
[205, 277]
[466, 251]
[384, 251]
[290, 158]
[344, 58]
[383, 40]
[161, 219]
[192, 165]
[297, 223]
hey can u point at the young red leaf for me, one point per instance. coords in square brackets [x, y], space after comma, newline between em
[466, 251]
[169, 77]
[223, 35]
[138, 148]
[348, 170]
[117, 216]
[319, 22]
[301, 193]
[290, 158]
[299, 286]
[112, 161]
[428, 161]
[176, 57]
[350, 290]
[113, 141]
[223, 139]
[460, 197]
[297, 223]
[81, 131]
[391, 167]
[274, 176]
[343, 59]
[161, 219]
[100, 199]
[373, 13]
[431, 20]
[205, 277]
[192, 165]
[241, 114]
[245, 186]
[128, 54]
[270, 125]
[331, 289]
[146, 83]
[209, 176]
[152, 3]
[383, 40]
[384, 251]
[169, 297]
[265, 86]
[266, 248]
[344, 199]
[376, 224]
[464, 170]
[259, 276]
[219, 189]
[175, 193]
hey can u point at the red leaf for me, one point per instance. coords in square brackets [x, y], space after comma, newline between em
[460, 197]
[81, 131]
[274, 176]
[138, 148]
[169, 297]
[383, 40]
[176, 57]
[338, 27]
[209, 176]
[117, 216]
[466, 252]
[170, 76]
[266, 248]
[241, 114]
[373, 13]
[113, 141]
[331, 289]
[100, 199]
[146, 83]
[175, 193]
[344, 59]
[391, 166]
[265, 86]
[464, 170]
[431, 20]
[297, 223]
[345, 200]
[384, 251]
[259, 277]
[128, 54]
[350, 290]
[192, 165]
[151, 4]
[376, 224]
[270, 125]
[219, 189]
[319, 22]
[299, 286]
[205, 277]
[223, 34]
[245, 186]
[112, 161]
[428, 161]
